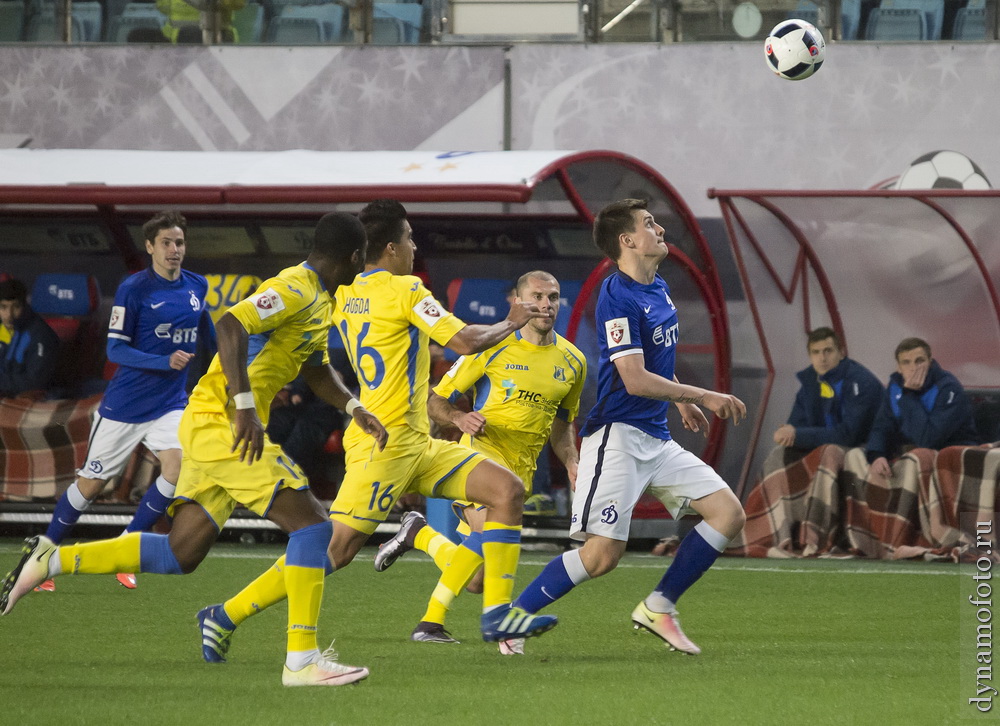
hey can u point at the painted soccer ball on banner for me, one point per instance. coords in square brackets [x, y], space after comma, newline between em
[943, 170]
[794, 49]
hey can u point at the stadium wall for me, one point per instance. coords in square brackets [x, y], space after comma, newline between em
[704, 115]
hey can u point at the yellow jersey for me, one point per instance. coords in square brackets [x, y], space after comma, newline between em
[386, 322]
[288, 319]
[519, 387]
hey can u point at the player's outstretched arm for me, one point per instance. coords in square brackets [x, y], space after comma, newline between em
[641, 382]
[477, 338]
[329, 386]
[443, 413]
[233, 341]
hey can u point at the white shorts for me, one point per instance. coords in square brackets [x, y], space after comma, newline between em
[617, 464]
[112, 443]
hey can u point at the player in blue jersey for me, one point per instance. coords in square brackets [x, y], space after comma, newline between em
[627, 448]
[264, 342]
[157, 320]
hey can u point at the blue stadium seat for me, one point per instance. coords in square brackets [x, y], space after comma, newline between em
[134, 15]
[91, 17]
[248, 22]
[330, 16]
[44, 28]
[891, 24]
[295, 31]
[479, 299]
[68, 302]
[11, 21]
[396, 23]
[933, 11]
[970, 24]
[850, 19]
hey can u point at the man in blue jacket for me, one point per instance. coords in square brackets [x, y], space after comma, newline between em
[924, 406]
[837, 400]
[28, 346]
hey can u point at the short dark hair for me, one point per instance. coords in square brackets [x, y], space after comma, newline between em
[820, 334]
[13, 289]
[338, 236]
[167, 219]
[907, 344]
[612, 222]
[383, 220]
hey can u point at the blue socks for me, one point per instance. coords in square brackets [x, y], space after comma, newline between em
[156, 556]
[68, 510]
[154, 503]
[559, 577]
[307, 547]
[698, 551]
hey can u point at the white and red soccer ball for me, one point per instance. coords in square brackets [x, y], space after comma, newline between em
[794, 49]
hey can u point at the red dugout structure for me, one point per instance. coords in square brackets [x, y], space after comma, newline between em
[877, 266]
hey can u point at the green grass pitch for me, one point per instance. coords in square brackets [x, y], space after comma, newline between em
[785, 642]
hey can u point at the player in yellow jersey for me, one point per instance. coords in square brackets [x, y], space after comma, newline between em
[524, 391]
[386, 318]
[264, 342]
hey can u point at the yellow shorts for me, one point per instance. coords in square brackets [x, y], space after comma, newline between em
[411, 462]
[213, 477]
[496, 455]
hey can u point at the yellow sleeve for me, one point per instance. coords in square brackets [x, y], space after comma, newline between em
[463, 375]
[569, 408]
[426, 312]
[272, 304]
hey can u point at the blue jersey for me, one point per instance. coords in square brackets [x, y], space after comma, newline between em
[631, 319]
[152, 317]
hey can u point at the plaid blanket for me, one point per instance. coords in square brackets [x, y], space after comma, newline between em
[821, 504]
[41, 445]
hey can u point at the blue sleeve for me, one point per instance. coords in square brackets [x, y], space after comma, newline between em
[934, 429]
[799, 416]
[124, 354]
[206, 334]
[617, 315]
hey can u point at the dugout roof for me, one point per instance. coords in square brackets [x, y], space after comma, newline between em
[877, 266]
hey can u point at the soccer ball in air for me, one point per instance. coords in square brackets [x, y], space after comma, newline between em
[943, 170]
[794, 49]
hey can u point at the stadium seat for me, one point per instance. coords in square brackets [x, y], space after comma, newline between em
[890, 24]
[970, 24]
[44, 28]
[478, 299]
[225, 290]
[850, 19]
[248, 22]
[68, 302]
[295, 31]
[329, 15]
[91, 17]
[134, 15]
[396, 23]
[11, 21]
[933, 11]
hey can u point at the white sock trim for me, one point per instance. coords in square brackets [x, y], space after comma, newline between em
[76, 499]
[714, 537]
[166, 488]
[55, 564]
[296, 660]
[574, 567]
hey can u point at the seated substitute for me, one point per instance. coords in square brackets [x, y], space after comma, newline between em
[923, 406]
[837, 398]
[28, 346]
